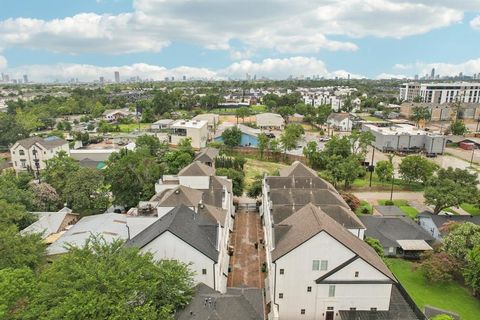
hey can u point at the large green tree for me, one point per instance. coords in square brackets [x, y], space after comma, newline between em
[109, 281]
[59, 169]
[457, 128]
[14, 189]
[151, 143]
[451, 187]
[471, 272]
[18, 251]
[16, 287]
[86, 193]
[15, 214]
[290, 136]
[384, 170]
[420, 114]
[237, 176]
[461, 240]
[416, 168]
[132, 176]
[232, 137]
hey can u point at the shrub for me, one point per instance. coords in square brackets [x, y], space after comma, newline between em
[439, 267]
[389, 203]
[352, 201]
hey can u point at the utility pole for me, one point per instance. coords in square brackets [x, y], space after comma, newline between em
[371, 167]
[391, 190]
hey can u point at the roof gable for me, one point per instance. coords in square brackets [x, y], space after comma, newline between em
[177, 196]
[298, 169]
[310, 221]
[191, 227]
[197, 168]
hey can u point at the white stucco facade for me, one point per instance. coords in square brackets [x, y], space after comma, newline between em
[23, 158]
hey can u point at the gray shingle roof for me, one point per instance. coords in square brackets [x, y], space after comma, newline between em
[179, 195]
[217, 214]
[390, 229]
[47, 143]
[300, 197]
[236, 304]
[298, 183]
[197, 168]
[389, 211]
[440, 220]
[337, 117]
[195, 229]
[310, 221]
[298, 169]
[207, 155]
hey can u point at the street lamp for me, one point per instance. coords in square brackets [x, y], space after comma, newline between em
[36, 161]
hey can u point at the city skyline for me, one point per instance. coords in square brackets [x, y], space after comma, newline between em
[209, 39]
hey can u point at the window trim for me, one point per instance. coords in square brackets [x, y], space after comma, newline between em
[331, 291]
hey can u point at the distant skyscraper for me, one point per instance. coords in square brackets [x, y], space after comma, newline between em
[416, 77]
[432, 74]
[7, 78]
[117, 76]
[348, 76]
[184, 78]
[102, 79]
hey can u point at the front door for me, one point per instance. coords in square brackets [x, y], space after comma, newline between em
[329, 315]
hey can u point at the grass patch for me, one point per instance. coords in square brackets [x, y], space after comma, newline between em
[409, 211]
[450, 296]
[399, 185]
[364, 208]
[470, 208]
[451, 211]
[127, 128]
[398, 202]
[255, 167]
[371, 118]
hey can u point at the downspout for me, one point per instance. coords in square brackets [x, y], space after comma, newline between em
[275, 288]
[214, 282]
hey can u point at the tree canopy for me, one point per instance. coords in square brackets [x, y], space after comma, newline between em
[415, 168]
[232, 137]
[451, 187]
[109, 281]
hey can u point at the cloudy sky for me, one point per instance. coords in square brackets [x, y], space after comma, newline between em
[86, 39]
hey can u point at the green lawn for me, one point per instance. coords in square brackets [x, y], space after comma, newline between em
[409, 211]
[470, 208]
[450, 296]
[451, 211]
[371, 118]
[364, 204]
[397, 202]
[255, 167]
[126, 128]
[363, 184]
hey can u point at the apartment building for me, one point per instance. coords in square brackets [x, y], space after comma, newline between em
[318, 265]
[196, 130]
[30, 152]
[439, 93]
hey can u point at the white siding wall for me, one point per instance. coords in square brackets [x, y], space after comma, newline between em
[169, 246]
[298, 275]
[195, 182]
[42, 154]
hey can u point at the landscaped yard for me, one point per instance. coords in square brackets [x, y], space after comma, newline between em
[450, 296]
[363, 183]
[364, 208]
[470, 208]
[254, 167]
[126, 128]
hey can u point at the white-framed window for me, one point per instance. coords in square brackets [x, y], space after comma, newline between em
[21, 152]
[280, 296]
[316, 265]
[324, 265]
[390, 250]
[302, 311]
[331, 290]
[204, 271]
[356, 274]
[23, 163]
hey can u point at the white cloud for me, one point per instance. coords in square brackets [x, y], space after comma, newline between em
[475, 23]
[301, 26]
[270, 68]
[3, 63]
[391, 76]
[468, 67]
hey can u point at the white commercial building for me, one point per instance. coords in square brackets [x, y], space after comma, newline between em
[406, 138]
[196, 130]
[439, 93]
[27, 152]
